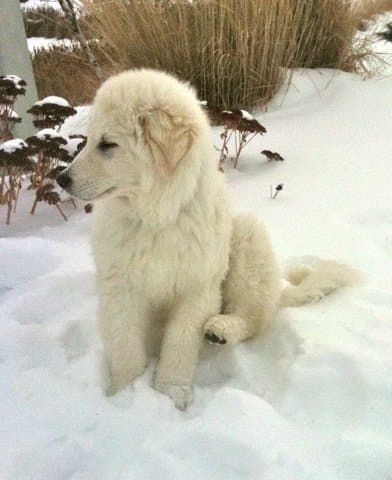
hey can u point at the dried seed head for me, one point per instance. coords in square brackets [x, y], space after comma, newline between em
[275, 156]
[237, 119]
[11, 86]
[16, 153]
[50, 112]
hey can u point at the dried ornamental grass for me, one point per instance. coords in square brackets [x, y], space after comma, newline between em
[233, 52]
[65, 71]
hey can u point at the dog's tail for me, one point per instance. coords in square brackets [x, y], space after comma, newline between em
[309, 284]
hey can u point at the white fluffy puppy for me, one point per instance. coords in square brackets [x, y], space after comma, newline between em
[173, 265]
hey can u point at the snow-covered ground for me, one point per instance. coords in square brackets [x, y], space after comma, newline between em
[311, 399]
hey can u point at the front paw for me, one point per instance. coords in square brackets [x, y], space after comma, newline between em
[113, 389]
[180, 394]
[117, 383]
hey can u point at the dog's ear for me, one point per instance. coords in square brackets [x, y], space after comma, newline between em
[168, 138]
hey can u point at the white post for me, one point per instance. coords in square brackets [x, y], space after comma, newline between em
[15, 60]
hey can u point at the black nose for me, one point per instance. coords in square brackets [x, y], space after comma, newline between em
[64, 180]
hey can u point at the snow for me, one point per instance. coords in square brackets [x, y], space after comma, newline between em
[72, 145]
[13, 78]
[246, 115]
[47, 133]
[37, 43]
[48, 4]
[311, 399]
[378, 45]
[52, 100]
[11, 146]
[41, 3]
[14, 115]
[77, 124]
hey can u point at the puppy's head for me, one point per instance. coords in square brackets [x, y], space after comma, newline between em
[142, 125]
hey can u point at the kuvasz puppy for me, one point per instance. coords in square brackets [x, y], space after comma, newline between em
[174, 266]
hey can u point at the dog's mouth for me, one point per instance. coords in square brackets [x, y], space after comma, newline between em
[104, 194]
[88, 197]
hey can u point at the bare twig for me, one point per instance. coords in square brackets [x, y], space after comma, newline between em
[68, 8]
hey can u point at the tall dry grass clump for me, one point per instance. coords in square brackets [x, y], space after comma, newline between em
[48, 22]
[44, 21]
[65, 71]
[366, 10]
[324, 31]
[235, 52]
[232, 51]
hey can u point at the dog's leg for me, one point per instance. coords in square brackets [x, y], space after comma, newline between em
[252, 286]
[181, 344]
[122, 321]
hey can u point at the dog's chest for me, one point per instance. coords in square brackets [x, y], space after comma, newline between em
[160, 264]
[164, 261]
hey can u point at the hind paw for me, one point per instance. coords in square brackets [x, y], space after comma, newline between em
[221, 330]
[212, 338]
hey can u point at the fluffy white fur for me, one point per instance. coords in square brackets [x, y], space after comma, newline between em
[173, 265]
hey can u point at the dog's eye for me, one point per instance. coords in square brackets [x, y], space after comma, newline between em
[104, 146]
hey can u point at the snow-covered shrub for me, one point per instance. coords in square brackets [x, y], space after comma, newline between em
[15, 161]
[42, 156]
[51, 112]
[48, 113]
[53, 153]
[239, 126]
[11, 87]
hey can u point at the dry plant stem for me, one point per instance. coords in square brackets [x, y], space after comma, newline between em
[10, 196]
[9, 210]
[2, 185]
[18, 188]
[226, 135]
[34, 206]
[37, 179]
[61, 212]
[69, 10]
[241, 143]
